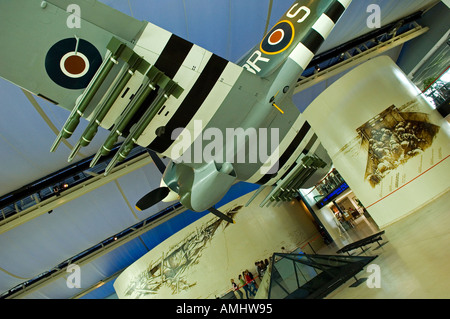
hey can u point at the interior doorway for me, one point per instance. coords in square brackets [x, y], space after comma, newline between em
[338, 210]
[351, 214]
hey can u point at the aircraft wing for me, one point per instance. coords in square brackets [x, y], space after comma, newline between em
[140, 82]
[148, 86]
[37, 35]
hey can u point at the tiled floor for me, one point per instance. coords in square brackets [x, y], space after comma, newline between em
[415, 262]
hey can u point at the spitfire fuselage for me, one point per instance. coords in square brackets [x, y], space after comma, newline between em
[220, 122]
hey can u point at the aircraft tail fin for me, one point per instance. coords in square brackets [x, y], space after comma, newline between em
[298, 35]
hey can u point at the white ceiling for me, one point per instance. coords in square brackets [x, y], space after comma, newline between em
[27, 130]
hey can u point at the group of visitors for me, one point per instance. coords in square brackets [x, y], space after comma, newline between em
[248, 283]
[261, 267]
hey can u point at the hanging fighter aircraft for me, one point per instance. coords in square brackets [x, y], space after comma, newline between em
[152, 88]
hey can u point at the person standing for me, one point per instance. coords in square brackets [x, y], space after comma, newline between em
[245, 286]
[252, 280]
[250, 283]
[259, 268]
[236, 289]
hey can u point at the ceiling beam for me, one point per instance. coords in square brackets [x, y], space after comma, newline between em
[96, 254]
[351, 62]
[98, 284]
[72, 193]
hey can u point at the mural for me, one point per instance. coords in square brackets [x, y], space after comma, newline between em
[393, 137]
[171, 267]
[385, 139]
[198, 261]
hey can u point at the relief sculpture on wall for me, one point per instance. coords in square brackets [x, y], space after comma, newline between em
[170, 269]
[393, 137]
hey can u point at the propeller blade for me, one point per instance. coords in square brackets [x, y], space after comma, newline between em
[152, 198]
[221, 215]
[158, 162]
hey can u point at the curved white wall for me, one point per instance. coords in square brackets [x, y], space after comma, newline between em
[378, 93]
[200, 260]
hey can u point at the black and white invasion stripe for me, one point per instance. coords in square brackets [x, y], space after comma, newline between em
[308, 47]
[205, 77]
[191, 103]
[304, 142]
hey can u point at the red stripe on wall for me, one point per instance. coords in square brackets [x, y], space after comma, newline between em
[408, 182]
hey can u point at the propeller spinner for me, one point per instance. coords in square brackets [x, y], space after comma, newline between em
[159, 194]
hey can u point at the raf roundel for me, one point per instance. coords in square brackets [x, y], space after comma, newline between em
[279, 38]
[276, 37]
[72, 63]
